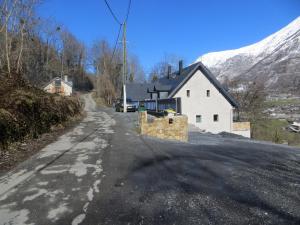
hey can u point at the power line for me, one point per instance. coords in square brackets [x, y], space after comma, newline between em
[117, 40]
[128, 11]
[112, 13]
[124, 48]
[121, 24]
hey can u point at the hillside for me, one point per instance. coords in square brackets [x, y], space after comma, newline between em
[27, 112]
[275, 61]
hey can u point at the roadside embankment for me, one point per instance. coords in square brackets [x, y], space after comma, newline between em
[27, 112]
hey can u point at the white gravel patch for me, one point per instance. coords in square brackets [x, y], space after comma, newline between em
[54, 214]
[78, 219]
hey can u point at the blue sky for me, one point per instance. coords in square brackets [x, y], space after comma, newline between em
[187, 28]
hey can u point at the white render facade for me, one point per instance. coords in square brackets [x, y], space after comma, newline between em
[59, 86]
[204, 105]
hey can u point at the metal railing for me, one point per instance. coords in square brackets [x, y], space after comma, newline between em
[160, 105]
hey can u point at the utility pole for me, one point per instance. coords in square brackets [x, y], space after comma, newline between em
[62, 65]
[124, 69]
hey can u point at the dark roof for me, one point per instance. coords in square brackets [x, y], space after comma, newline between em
[161, 87]
[176, 78]
[138, 92]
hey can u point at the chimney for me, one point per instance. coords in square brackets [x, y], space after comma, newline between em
[180, 67]
[169, 71]
[66, 78]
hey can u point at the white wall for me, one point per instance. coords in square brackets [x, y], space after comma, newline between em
[199, 104]
[245, 133]
[67, 89]
[49, 88]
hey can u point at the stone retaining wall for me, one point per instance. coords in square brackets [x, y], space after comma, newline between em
[174, 128]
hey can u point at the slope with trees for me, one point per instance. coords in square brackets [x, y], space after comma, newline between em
[107, 63]
[33, 51]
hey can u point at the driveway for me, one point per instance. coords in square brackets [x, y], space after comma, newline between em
[103, 172]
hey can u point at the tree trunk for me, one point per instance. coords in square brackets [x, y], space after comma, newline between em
[21, 49]
[7, 51]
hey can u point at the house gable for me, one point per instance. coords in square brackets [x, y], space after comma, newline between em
[57, 85]
[209, 112]
[211, 78]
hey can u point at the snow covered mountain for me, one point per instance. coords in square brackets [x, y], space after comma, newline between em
[274, 61]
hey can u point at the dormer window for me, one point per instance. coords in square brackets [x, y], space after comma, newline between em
[207, 93]
[188, 93]
[163, 94]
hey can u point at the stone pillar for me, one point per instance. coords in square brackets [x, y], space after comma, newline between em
[142, 121]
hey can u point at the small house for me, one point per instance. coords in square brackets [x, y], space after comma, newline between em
[59, 86]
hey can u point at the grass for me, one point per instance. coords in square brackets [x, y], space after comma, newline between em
[281, 102]
[274, 130]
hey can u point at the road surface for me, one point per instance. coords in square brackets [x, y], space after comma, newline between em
[103, 172]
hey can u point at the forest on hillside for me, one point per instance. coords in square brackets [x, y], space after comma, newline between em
[33, 51]
[39, 49]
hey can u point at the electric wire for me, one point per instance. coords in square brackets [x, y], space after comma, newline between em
[116, 44]
[128, 11]
[112, 13]
[120, 24]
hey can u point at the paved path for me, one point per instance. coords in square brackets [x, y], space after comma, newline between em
[57, 185]
[104, 173]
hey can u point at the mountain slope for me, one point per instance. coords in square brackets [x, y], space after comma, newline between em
[274, 61]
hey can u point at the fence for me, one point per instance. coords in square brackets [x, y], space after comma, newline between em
[162, 104]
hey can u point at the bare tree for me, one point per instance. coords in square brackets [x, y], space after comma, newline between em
[16, 21]
[160, 69]
[108, 66]
[250, 96]
[34, 47]
[26, 21]
[136, 71]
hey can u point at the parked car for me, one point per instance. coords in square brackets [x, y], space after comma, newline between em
[131, 107]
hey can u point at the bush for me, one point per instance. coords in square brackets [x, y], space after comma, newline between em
[26, 111]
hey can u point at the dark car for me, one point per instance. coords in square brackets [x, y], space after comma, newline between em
[131, 107]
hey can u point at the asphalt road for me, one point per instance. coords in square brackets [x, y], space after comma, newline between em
[103, 172]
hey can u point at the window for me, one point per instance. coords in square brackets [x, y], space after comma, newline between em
[198, 118]
[207, 93]
[188, 93]
[216, 117]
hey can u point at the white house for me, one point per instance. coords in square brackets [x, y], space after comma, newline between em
[59, 86]
[201, 96]
[205, 106]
